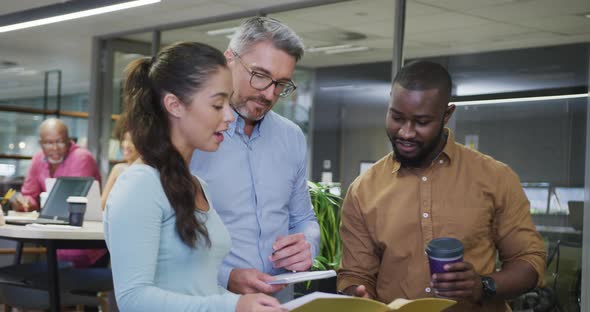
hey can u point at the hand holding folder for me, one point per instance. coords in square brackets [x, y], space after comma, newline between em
[323, 302]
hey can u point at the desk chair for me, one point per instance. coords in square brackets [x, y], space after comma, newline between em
[547, 299]
[574, 293]
[26, 285]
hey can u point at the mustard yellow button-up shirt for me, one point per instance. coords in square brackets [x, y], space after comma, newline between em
[390, 213]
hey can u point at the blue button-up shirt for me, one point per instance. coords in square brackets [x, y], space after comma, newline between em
[258, 185]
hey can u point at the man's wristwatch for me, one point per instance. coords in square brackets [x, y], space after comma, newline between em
[488, 286]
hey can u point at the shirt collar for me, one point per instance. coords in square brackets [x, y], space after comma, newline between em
[448, 152]
[239, 123]
[231, 128]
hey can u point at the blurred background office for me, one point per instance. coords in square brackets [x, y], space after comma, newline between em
[520, 68]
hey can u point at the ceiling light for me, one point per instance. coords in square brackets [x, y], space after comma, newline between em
[73, 15]
[29, 72]
[222, 31]
[12, 70]
[327, 48]
[17, 70]
[523, 99]
[347, 50]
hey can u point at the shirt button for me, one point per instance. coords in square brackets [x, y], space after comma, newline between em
[427, 289]
[425, 215]
[424, 179]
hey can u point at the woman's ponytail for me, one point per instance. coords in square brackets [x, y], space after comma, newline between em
[180, 69]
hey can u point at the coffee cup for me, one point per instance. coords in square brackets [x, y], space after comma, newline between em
[77, 209]
[43, 199]
[442, 251]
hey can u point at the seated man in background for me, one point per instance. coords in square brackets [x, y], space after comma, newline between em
[59, 157]
[432, 187]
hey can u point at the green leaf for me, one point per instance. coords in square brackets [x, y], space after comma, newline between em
[327, 208]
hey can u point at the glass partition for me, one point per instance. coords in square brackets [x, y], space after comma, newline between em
[124, 50]
[27, 97]
[521, 90]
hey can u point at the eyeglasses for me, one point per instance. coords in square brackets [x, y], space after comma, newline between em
[50, 144]
[260, 81]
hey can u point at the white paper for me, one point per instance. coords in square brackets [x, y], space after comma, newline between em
[326, 177]
[18, 216]
[54, 227]
[290, 278]
[49, 183]
[296, 303]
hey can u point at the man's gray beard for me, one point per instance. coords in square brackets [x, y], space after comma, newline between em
[242, 110]
[55, 162]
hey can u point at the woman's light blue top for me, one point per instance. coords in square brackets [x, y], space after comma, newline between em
[153, 270]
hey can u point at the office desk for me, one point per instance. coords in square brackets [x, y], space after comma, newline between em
[564, 233]
[90, 236]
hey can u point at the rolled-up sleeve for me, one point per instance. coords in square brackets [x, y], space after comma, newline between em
[515, 233]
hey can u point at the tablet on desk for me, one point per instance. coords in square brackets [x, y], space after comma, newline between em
[55, 210]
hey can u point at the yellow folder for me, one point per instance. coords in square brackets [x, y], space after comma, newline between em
[319, 302]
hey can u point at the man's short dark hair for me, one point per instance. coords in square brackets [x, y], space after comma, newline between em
[424, 75]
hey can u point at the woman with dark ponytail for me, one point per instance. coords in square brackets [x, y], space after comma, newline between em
[165, 238]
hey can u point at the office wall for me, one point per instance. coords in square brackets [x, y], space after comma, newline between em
[349, 113]
[350, 106]
[541, 141]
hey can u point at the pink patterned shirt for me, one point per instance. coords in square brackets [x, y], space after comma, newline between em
[78, 162]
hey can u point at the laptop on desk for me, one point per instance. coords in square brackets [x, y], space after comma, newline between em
[55, 210]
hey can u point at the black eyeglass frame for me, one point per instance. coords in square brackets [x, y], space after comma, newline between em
[289, 86]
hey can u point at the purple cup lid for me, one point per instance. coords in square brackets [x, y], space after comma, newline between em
[444, 247]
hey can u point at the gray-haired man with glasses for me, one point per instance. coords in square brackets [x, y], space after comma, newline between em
[59, 157]
[257, 178]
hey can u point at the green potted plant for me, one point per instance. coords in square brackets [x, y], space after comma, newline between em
[327, 209]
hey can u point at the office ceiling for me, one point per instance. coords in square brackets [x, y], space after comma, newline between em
[433, 27]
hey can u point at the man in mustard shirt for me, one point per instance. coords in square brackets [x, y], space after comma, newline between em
[432, 187]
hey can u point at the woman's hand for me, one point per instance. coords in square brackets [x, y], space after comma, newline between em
[258, 303]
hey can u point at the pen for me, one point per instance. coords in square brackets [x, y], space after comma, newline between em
[292, 271]
[7, 196]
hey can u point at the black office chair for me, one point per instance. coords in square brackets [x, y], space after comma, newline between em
[546, 299]
[26, 285]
